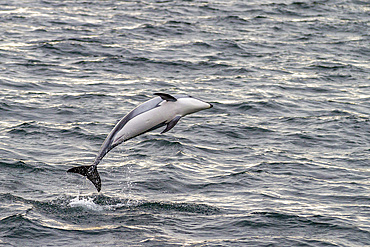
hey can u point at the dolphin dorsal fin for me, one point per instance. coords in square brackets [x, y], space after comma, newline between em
[166, 97]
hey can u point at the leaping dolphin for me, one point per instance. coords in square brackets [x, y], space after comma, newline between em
[150, 115]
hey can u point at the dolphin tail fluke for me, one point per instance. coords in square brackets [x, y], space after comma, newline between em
[90, 172]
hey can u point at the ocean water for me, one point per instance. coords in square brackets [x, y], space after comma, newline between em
[282, 159]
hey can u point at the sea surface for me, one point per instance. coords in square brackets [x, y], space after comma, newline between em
[282, 159]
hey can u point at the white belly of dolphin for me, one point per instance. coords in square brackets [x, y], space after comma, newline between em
[146, 121]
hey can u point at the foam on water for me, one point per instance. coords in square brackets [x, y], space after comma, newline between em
[86, 203]
[101, 203]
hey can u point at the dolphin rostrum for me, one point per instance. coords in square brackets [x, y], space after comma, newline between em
[150, 115]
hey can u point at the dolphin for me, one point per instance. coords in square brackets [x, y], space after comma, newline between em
[164, 110]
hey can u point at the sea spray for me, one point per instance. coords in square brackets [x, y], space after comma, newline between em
[128, 187]
[86, 203]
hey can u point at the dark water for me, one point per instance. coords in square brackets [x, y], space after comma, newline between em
[281, 160]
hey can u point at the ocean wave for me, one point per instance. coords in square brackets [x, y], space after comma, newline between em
[40, 129]
[22, 166]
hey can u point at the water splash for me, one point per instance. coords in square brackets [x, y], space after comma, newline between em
[86, 203]
[129, 184]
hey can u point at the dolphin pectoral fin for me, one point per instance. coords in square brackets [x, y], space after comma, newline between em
[166, 97]
[90, 172]
[171, 124]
